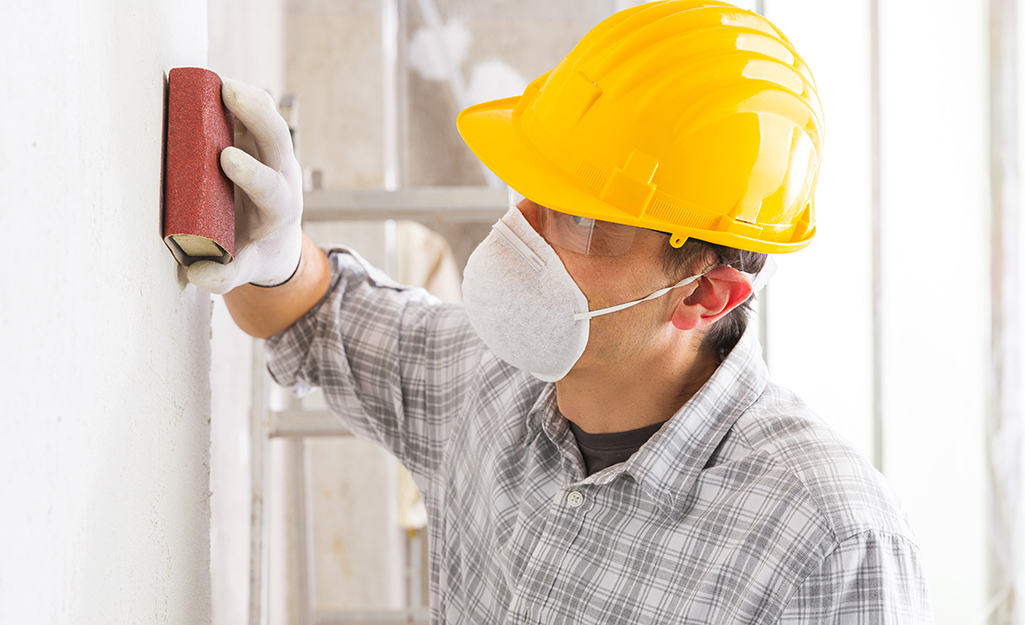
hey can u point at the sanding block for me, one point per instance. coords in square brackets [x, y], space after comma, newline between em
[199, 199]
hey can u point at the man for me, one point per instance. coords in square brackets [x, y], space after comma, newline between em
[594, 433]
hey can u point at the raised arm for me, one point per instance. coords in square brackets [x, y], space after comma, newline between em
[278, 274]
[264, 311]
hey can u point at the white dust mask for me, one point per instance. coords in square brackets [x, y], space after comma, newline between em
[520, 299]
[523, 303]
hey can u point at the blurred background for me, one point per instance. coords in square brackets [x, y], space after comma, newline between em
[151, 471]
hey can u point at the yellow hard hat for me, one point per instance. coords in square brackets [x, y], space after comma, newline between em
[691, 117]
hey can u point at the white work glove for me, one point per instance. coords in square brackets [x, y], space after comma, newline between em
[268, 232]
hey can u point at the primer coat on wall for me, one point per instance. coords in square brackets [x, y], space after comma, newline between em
[104, 349]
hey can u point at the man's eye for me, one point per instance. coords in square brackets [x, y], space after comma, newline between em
[581, 222]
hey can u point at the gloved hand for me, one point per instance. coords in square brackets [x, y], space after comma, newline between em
[268, 234]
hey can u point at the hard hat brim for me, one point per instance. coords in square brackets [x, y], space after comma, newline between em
[488, 130]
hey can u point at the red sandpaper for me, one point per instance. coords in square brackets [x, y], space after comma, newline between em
[198, 197]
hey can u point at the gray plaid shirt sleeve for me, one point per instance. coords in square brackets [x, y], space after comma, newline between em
[871, 578]
[393, 361]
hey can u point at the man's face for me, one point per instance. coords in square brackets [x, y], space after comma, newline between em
[638, 331]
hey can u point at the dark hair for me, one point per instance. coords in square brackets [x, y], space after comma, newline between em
[695, 255]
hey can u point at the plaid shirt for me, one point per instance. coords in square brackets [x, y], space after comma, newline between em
[743, 508]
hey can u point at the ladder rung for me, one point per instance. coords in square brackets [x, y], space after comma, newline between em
[306, 423]
[423, 204]
[385, 617]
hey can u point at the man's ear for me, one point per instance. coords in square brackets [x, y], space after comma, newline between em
[718, 292]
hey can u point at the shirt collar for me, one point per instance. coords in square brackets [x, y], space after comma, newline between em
[668, 465]
[546, 414]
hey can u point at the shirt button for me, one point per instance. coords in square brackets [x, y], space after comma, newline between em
[575, 499]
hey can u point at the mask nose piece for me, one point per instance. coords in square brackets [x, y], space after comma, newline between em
[516, 243]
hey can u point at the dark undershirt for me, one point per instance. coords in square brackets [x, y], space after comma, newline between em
[604, 450]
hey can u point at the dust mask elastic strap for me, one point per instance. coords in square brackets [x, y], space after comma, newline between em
[757, 280]
[584, 316]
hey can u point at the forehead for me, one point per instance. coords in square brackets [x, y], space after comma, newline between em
[650, 242]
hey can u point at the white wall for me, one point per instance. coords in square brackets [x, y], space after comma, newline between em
[936, 288]
[247, 44]
[104, 349]
[935, 274]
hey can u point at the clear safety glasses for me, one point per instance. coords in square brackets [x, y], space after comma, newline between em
[583, 235]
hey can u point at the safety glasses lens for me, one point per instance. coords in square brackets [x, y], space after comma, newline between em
[583, 235]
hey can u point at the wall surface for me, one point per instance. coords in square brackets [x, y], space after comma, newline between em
[935, 366]
[247, 44]
[932, 312]
[104, 349]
